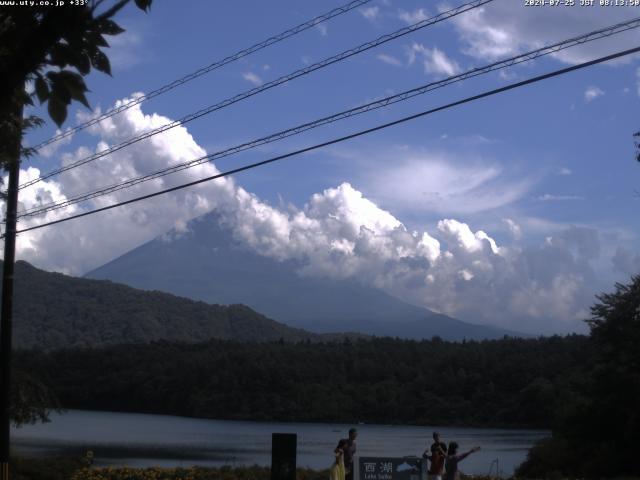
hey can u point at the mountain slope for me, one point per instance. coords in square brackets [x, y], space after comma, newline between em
[207, 264]
[52, 311]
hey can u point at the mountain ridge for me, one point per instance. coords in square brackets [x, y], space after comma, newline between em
[207, 263]
[53, 311]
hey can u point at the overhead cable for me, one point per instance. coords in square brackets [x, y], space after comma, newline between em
[209, 68]
[384, 102]
[360, 133]
[274, 83]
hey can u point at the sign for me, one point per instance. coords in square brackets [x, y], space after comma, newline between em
[283, 456]
[388, 468]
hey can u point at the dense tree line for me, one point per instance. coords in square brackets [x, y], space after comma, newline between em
[509, 382]
[599, 436]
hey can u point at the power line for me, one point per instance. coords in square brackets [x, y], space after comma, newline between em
[346, 137]
[582, 39]
[213, 66]
[254, 91]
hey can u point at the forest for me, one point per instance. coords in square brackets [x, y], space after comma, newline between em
[585, 389]
[509, 382]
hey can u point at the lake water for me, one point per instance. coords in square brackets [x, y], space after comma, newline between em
[145, 440]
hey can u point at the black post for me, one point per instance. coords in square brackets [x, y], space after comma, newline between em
[283, 456]
[6, 309]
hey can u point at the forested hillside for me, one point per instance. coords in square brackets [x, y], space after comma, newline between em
[58, 311]
[509, 382]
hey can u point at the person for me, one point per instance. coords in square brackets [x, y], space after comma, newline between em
[337, 471]
[453, 458]
[436, 455]
[437, 444]
[349, 453]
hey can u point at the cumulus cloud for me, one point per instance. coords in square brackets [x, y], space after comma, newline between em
[252, 78]
[412, 17]
[338, 233]
[370, 13]
[434, 60]
[505, 28]
[50, 150]
[514, 228]
[389, 59]
[626, 261]
[591, 93]
[81, 245]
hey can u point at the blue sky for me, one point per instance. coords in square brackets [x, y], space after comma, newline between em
[547, 171]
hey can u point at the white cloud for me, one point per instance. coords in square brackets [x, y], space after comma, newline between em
[626, 261]
[591, 93]
[413, 17]
[389, 59]
[322, 28]
[252, 78]
[339, 233]
[505, 28]
[434, 60]
[100, 237]
[442, 183]
[548, 197]
[564, 171]
[126, 50]
[370, 13]
[50, 150]
[514, 228]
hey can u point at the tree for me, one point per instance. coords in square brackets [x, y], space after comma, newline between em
[31, 399]
[599, 437]
[55, 47]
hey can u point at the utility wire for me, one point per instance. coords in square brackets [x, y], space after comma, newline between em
[254, 91]
[589, 37]
[346, 137]
[213, 66]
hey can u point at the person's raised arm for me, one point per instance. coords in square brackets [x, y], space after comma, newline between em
[462, 456]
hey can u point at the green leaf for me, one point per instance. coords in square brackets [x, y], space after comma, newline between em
[82, 63]
[42, 89]
[144, 4]
[57, 110]
[59, 55]
[100, 62]
[109, 27]
[59, 90]
[75, 86]
[95, 39]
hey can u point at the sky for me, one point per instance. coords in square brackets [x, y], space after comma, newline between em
[515, 210]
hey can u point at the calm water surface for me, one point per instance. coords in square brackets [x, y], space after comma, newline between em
[147, 440]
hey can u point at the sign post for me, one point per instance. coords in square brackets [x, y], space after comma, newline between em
[283, 456]
[390, 468]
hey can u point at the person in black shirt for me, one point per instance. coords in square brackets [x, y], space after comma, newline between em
[437, 444]
[349, 453]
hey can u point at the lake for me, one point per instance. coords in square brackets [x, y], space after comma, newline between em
[140, 440]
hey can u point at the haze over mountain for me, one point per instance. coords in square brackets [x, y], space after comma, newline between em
[205, 262]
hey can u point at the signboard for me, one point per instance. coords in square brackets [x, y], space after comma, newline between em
[388, 468]
[283, 456]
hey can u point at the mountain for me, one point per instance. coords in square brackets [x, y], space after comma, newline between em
[54, 311]
[206, 263]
